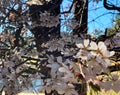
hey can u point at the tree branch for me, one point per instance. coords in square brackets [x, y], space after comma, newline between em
[110, 7]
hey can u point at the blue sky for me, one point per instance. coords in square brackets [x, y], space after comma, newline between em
[98, 17]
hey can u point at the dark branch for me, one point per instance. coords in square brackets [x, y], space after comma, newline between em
[115, 67]
[110, 7]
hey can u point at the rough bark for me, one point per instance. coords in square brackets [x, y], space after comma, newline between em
[43, 33]
[81, 15]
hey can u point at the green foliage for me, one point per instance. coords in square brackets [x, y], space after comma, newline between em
[111, 92]
[111, 31]
[116, 26]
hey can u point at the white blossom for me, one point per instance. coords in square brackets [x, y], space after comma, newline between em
[84, 45]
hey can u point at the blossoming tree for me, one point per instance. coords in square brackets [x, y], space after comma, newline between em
[66, 65]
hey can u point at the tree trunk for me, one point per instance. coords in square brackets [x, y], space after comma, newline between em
[81, 15]
[43, 33]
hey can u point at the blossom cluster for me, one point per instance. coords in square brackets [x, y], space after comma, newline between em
[98, 53]
[63, 65]
[93, 60]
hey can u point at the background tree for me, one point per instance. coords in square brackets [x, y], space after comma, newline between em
[47, 27]
[81, 15]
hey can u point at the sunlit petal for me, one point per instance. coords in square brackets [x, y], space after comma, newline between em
[86, 42]
[93, 46]
[78, 55]
[71, 85]
[80, 45]
[62, 69]
[93, 54]
[102, 46]
[105, 53]
[111, 53]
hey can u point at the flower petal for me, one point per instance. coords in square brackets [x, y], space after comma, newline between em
[102, 46]
[79, 45]
[93, 46]
[105, 53]
[86, 42]
[59, 59]
[62, 69]
[111, 53]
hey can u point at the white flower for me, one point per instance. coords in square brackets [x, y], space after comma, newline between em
[54, 69]
[84, 45]
[82, 54]
[59, 59]
[67, 74]
[67, 89]
[100, 46]
[101, 49]
[107, 54]
[104, 61]
[100, 53]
